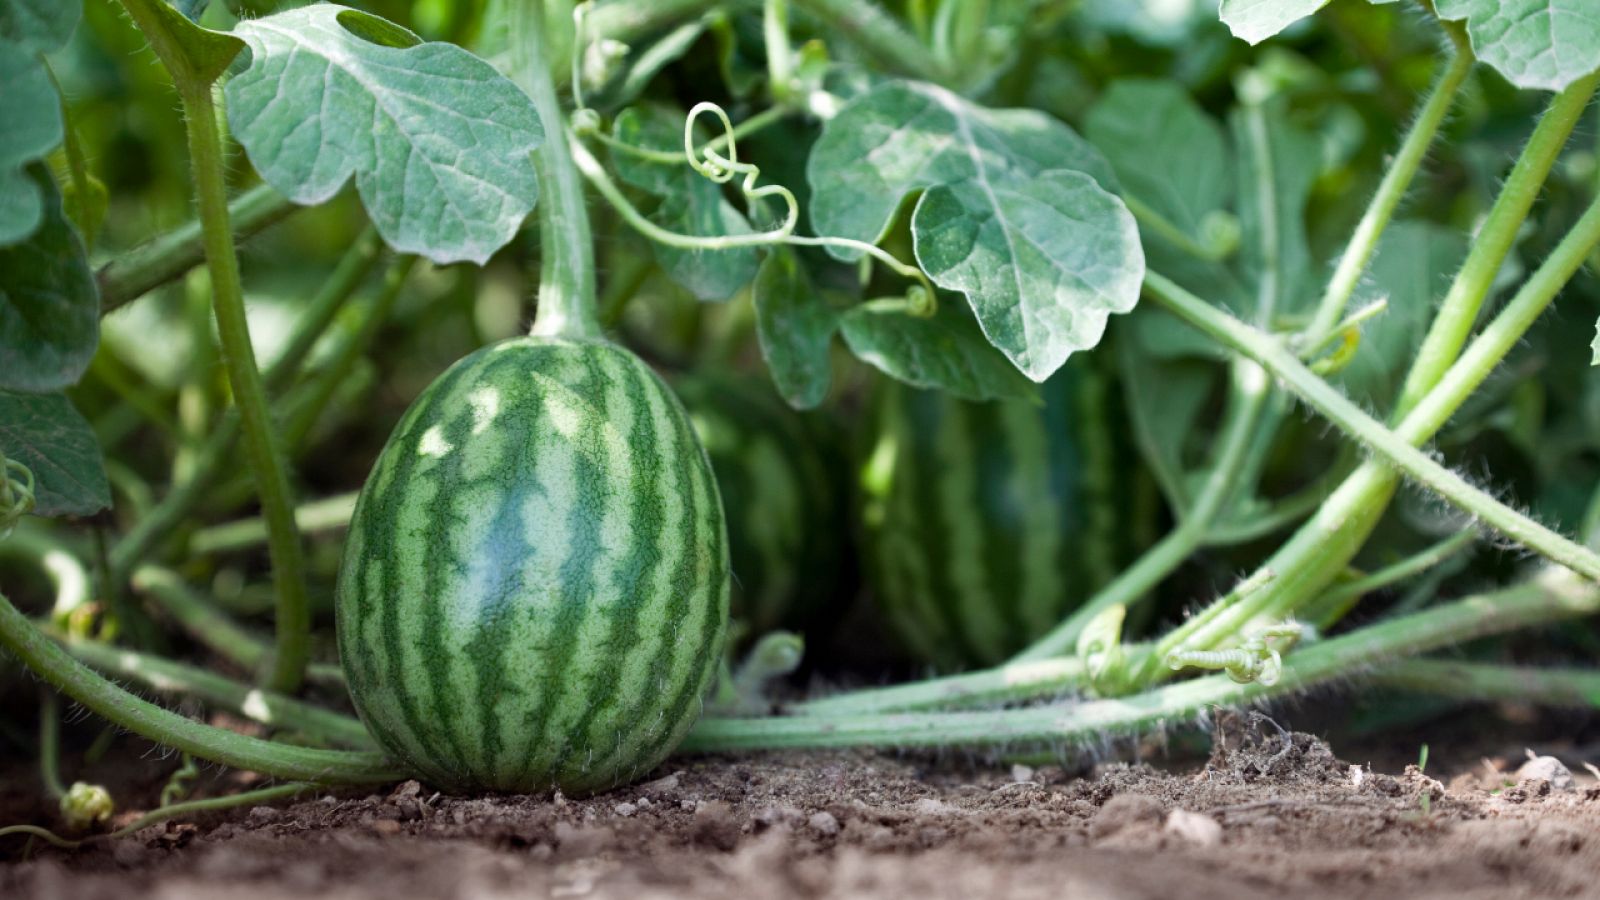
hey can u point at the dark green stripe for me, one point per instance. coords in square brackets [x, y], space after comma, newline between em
[575, 583]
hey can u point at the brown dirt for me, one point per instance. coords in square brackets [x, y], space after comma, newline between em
[1268, 813]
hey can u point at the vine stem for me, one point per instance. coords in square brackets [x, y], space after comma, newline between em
[293, 615]
[1247, 399]
[1483, 681]
[50, 662]
[1459, 311]
[266, 707]
[566, 258]
[1391, 190]
[1333, 605]
[211, 458]
[1552, 596]
[865, 23]
[162, 259]
[170, 811]
[1399, 447]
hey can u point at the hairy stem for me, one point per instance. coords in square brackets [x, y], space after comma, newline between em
[1397, 179]
[1484, 681]
[866, 24]
[166, 258]
[1494, 239]
[293, 616]
[566, 247]
[177, 679]
[50, 662]
[1553, 596]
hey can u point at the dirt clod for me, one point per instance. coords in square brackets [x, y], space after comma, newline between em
[1271, 814]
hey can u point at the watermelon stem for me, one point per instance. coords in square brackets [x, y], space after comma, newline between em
[52, 663]
[566, 306]
[1551, 595]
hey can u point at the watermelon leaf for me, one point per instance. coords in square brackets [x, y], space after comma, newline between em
[437, 139]
[48, 435]
[1257, 20]
[1540, 44]
[944, 351]
[1014, 214]
[49, 304]
[795, 326]
[29, 104]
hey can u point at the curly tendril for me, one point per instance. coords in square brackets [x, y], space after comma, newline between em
[16, 493]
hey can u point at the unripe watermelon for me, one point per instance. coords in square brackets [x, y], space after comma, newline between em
[534, 591]
[986, 523]
[784, 493]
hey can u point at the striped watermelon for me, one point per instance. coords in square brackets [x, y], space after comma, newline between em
[986, 523]
[784, 493]
[534, 591]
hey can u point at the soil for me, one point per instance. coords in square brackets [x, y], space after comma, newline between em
[1269, 813]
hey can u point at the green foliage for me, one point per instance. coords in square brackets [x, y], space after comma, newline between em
[49, 306]
[437, 140]
[688, 203]
[1005, 191]
[945, 351]
[29, 105]
[795, 326]
[1544, 44]
[45, 433]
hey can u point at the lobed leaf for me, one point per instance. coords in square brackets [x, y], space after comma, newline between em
[905, 136]
[1257, 20]
[795, 327]
[48, 435]
[944, 351]
[438, 140]
[49, 303]
[1043, 261]
[1538, 44]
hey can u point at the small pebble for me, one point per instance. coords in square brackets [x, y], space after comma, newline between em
[1020, 773]
[1546, 768]
[1195, 828]
[626, 809]
[823, 823]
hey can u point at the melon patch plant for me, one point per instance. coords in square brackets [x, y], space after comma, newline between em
[1183, 371]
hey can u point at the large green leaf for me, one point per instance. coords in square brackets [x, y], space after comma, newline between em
[1534, 43]
[905, 136]
[944, 351]
[1257, 20]
[30, 108]
[1014, 213]
[1043, 261]
[49, 305]
[45, 433]
[437, 139]
[795, 326]
[689, 204]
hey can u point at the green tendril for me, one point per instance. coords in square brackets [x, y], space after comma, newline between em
[16, 494]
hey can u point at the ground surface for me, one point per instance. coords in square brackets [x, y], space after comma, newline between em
[1266, 816]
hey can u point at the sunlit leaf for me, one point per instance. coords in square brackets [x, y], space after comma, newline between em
[795, 326]
[1534, 43]
[945, 351]
[45, 433]
[1257, 20]
[1043, 261]
[904, 136]
[437, 139]
[49, 304]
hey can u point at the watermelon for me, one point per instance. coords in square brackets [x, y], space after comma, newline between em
[783, 487]
[534, 591]
[986, 523]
